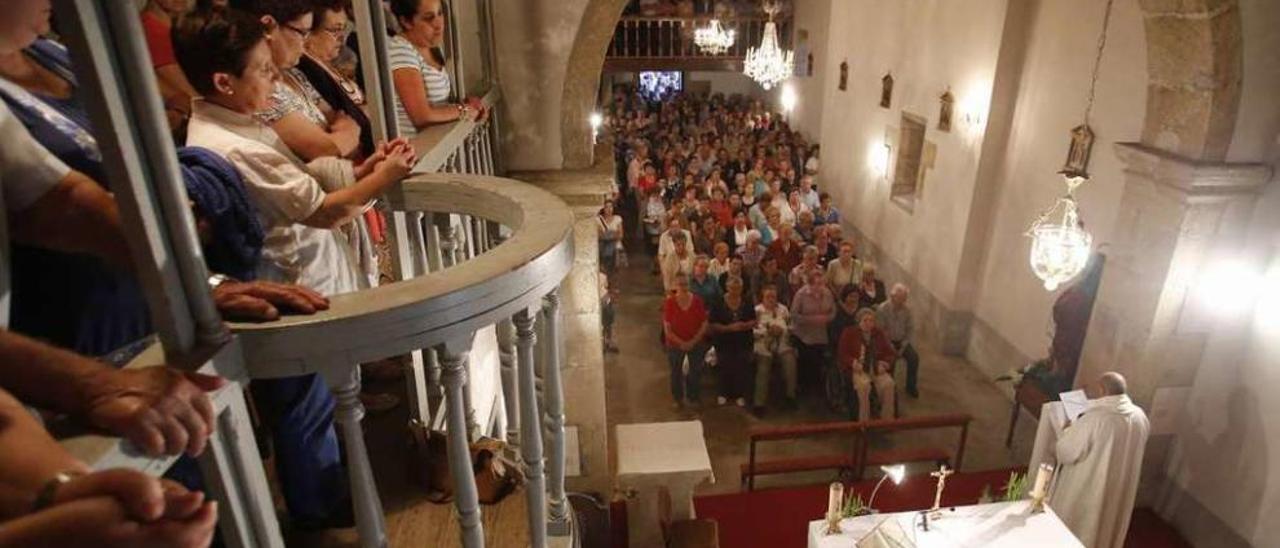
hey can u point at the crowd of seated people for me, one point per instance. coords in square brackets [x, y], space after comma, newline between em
[282, 172]
[757, 270]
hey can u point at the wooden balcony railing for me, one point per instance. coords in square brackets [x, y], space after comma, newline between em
[655, 39]
[480, 259]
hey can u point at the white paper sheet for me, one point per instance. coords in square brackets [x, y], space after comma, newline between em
[1074, 403]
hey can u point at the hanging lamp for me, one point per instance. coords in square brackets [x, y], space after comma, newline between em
[1060, 246]
[769, 64]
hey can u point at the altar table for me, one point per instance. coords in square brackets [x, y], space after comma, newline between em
[656, 459]
[998, 525]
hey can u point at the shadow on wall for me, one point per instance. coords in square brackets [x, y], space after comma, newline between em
[1233, 465]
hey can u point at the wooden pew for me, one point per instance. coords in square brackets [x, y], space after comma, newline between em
[860, 455]
[845, 461]
[937, 455]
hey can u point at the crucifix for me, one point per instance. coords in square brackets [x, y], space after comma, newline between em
[941, 474]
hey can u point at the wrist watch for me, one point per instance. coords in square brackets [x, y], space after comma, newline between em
[216, 280]
[44, 498]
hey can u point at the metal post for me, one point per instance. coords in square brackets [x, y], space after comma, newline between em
[530, 429]
[454, 357]
[553, 419]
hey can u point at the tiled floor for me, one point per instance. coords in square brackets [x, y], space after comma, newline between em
[636, 382]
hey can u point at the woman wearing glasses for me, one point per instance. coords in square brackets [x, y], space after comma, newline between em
[418, 71]
[309, 126]
[329, 28]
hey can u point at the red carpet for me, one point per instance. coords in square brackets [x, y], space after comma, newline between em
[779, 518]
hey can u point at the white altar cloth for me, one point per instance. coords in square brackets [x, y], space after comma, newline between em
[998, 525]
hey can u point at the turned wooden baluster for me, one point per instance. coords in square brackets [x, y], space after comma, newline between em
[344, 382]
[530, 428]
[454, 358]
[553, 419]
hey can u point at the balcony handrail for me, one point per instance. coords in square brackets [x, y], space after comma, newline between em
[436, 143]
[421, 312]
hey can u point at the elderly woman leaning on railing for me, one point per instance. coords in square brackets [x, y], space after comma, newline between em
[422, 85]
[227, 58]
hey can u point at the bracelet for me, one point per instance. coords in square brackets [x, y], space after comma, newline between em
[44, 498]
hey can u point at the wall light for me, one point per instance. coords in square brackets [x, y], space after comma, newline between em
[788, 98]
[1267, 314]
[878, 158]
[1229, 287]
[974, 105]
[596, 120]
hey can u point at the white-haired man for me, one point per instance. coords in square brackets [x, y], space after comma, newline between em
[895, 318]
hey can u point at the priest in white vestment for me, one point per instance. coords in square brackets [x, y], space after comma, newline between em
[1099, 458]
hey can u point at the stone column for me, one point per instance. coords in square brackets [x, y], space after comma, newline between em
[1174, 215]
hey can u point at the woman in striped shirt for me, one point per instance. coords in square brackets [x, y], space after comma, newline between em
[422, 85]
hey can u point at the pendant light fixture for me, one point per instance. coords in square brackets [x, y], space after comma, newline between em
[1060, 246]
[769, 64]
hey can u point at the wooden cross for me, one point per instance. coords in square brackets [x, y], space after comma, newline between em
[941, 474]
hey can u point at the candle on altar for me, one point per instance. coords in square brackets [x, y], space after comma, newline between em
[835, 499]
[1042, 481]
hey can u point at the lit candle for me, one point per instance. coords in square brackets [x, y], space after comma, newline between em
[835, 499]
[1042, 481]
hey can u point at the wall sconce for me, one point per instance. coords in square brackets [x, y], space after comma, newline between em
[788, 98]
[1232, 286]
[878, 159]
[596, 120]
[974, 106]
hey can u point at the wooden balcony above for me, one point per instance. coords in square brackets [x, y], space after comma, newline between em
[666, 43]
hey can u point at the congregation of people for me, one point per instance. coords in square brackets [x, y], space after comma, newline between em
[283, 172]
[760, 277]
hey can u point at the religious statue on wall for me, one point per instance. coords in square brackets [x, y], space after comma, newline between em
[1078, 155]
[809, 72]
[844, 76]
[886, 90]
[944, 114]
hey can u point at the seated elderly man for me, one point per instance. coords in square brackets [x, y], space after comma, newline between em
[867, 355]
[895, 317]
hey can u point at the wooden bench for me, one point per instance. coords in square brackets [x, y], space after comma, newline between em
[937, 455]
[860, 455]
[752, 468]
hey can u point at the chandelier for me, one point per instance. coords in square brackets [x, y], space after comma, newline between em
[768, 64]
[714, 39]
[1060, 246]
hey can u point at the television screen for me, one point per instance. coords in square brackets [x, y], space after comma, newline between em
[658, 84]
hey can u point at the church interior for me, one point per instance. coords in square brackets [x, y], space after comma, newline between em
[639, 273]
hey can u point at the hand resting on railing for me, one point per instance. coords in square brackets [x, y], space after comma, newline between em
[48, 498]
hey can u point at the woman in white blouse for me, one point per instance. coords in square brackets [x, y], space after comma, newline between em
[418, 71]
[227, 59]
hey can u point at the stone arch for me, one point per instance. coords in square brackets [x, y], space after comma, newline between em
[582, 79]
[1194, 73]
[1195, 62]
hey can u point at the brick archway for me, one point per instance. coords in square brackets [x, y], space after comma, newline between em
[1194, 73]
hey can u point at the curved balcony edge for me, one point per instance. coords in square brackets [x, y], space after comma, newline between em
[408, 315]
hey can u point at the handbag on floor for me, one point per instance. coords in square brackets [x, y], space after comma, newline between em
[496, 476]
